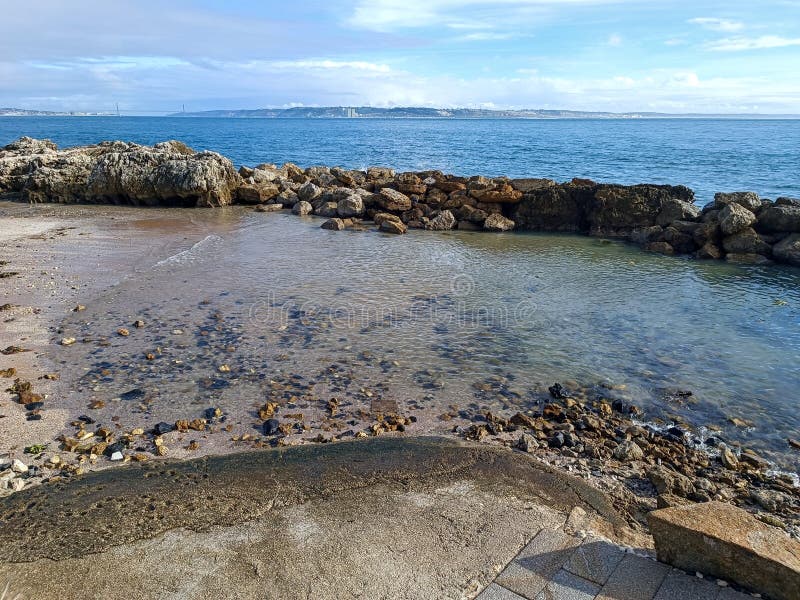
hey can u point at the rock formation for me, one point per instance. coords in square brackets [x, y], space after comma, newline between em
[739, 226]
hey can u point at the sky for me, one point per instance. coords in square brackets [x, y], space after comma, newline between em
[154, 56]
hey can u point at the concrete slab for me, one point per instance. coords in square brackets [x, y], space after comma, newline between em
[595, 560]
[567, 586]
[498, 592]
[538, 563]
[635, 578]
[680, 586]
[387, 518]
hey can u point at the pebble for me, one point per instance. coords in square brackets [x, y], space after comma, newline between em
[117, 456]
[123, 332]
[18, 466]
[68, 341]
[17, 484]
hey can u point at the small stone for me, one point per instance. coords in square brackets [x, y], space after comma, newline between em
[137, 431]
[138, 324]
[722, 583]
[628, 451]
[55, 460]
[728, 458]
[116, 456]
[224, 369]
[79, 308]
[123, 332]
[18, 466]
[271, 426]
[526, 443]
[68, 341]
[163, 427]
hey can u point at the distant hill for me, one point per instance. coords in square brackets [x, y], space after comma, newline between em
[22, 112]
[411, 112]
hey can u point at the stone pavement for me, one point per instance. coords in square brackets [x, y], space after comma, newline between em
[558, 566]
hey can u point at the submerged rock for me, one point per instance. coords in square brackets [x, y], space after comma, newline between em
[497, 222]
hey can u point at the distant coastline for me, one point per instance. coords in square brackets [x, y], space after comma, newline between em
[410, 112]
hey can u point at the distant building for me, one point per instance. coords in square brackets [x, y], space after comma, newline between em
[350, 113]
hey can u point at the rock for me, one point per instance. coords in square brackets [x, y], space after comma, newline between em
[163, 427]
[628, 451]
[410, 183]
[117, 456]
[19, 467]
[271, 426]
[68, 341]
[735, 218]
[444, 221]
[616, 209]
[747, 259]
[268, 208]
[769, 500]
[502, 194]
[748, 200]
[747, 241]
[334, 224]
[667, 481]
[782, 218]
[721, 540]
[256, 194]
[674, 209]
[728, 458]
[302, 208]
[351, 206]
[709, 250]
[497, 222]
[783, 201]
[391, 226]
[670, 500]
[660, 248]
[392, 200]
[308, 192]
[788, 250]
[327, 209]
[526, 443]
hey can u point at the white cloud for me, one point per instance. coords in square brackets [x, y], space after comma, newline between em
[757, 43]
[716, 24]
[390, 15]
[356, 65]
[614, 40]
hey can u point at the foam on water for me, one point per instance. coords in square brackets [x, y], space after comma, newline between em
[198, 251]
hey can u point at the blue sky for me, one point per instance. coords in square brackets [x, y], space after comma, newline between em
[618, 55]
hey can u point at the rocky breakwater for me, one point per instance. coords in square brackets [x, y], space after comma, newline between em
[169, 173]
[737, 226]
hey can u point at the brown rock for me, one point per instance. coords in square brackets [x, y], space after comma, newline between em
[393, 200]
[498, 222]
[726, 542]
[504, 194]
[390, 226]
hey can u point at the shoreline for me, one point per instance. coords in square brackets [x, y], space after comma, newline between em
[599, 441]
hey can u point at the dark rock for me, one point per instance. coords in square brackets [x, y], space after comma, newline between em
[746, 241]
[271, 426]
[735, 218]
[556, 441]
[134, 394]
[558, 392]
[748, 200]
[334, 224]
[788, 250]
[163, 427]
[779, 218]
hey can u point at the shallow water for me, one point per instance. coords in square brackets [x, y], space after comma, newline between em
[708, 155]
[422, 322]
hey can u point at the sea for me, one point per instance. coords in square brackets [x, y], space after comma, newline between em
[430, 317]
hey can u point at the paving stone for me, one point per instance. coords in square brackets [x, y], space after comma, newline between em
[537, 564]
[498, 592]
[678, 586]
[595, 560]
[730, 594]
[635, 578]
[567, 586]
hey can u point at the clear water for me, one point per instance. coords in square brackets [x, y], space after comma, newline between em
[708, 155]
[425, 318]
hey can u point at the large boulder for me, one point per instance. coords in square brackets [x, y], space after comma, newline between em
[748, 200]
[497, 222]
[302, 208]
[550, 208]
[735, 218]
[780, 218]
[674, 209]
[350, 206]
[309, 192]
[444, 221]
[746, 241]
[393, 201]
[788, 250]
[617, 209]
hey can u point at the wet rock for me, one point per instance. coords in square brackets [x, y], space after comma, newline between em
[302, 208]
[788, 250]
[334, 224]
[497, 222]
[392, 226]
[674, 209]
[268, 208]
[735, 218]
[660, 248]
[709, 251]
[558, 392]
[747, 241]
